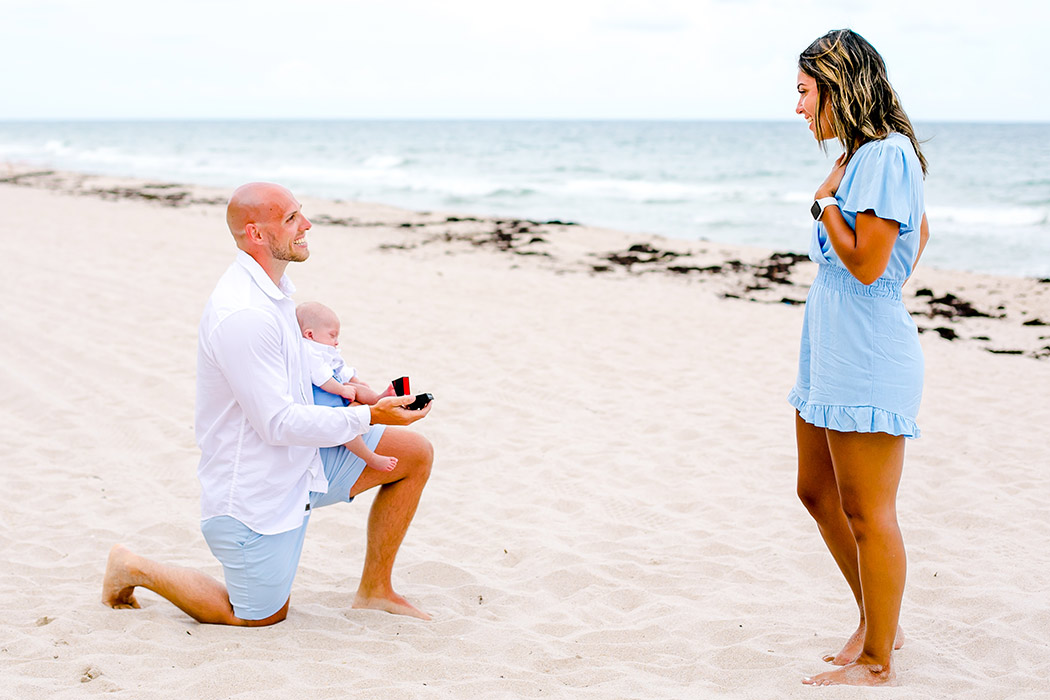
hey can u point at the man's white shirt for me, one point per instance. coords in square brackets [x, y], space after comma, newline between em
[256, 424]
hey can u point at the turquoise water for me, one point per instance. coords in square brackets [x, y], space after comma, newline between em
[988, 190]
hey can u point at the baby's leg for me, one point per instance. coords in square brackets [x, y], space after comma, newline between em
[368, 395]
[378, 462]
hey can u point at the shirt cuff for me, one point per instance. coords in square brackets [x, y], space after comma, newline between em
[365, 416]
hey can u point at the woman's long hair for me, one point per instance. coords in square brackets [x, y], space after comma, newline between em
[852, 85]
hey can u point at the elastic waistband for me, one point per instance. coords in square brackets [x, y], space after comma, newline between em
[839, 279]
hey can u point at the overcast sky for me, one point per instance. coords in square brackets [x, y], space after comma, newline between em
[605, 59]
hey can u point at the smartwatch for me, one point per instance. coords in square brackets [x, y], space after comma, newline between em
[817, 210]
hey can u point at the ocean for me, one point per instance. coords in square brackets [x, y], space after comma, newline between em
[987, 192]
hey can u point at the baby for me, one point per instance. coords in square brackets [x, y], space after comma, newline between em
[333, 379]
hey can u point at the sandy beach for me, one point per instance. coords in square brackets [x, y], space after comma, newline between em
[612, 510]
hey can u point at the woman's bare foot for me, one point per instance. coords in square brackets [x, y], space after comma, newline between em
[855, 644]
[391, 603]
[855, 673]
[118, 584]
[381, 463]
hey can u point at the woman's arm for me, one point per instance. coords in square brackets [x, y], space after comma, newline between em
[866, 250]
[924, 236]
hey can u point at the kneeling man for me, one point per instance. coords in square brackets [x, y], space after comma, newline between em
[261, 471]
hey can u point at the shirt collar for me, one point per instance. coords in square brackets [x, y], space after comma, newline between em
[322, 347]
[282, 291]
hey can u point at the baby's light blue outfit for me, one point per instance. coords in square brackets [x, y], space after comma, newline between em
[860, 365]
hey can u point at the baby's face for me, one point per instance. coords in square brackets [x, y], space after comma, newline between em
[326, 333]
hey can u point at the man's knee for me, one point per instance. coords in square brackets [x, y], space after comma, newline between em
[422, 455]
[415, 454]
[278, 616]
[409, 446]
[426, 449]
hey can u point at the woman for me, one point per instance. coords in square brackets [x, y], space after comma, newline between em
[860, 367]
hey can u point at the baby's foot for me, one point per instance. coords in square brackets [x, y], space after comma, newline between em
[382, 463]
[389, 392]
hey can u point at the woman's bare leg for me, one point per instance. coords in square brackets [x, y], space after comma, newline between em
[868, 470]
[818, 491]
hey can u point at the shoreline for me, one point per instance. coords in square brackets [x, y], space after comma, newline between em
[1002, 314]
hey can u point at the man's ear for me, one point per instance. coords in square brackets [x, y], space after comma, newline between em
[253, 232]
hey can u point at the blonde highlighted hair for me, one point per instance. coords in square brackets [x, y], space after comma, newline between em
[852, 86]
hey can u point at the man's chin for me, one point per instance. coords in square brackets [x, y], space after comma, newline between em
[297, 255]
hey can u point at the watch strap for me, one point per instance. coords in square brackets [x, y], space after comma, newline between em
[821, 204]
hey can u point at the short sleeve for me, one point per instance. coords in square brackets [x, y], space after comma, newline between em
[320, 373]
[320, 369]
[881, 182]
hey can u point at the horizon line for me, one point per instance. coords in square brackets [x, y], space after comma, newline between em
[720, 120]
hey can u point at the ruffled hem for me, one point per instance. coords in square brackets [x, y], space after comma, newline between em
[854, 419]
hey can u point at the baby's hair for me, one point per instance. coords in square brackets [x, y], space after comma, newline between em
[311, 314]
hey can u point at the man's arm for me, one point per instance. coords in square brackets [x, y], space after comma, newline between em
[247, 347]
[388, 411]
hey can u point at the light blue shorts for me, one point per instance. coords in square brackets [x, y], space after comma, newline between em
[259, 569]
[860, 365]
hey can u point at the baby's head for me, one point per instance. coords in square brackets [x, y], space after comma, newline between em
[318, 323]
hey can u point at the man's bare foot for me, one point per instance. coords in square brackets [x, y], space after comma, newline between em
[855, 673]
[855, 644]
[117, 585]
[391, 603]
[381, 463]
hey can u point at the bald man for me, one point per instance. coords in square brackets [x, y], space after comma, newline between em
[261, 470]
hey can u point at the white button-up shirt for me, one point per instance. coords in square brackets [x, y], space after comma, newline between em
[256, 424]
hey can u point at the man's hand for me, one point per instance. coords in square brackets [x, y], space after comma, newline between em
[388, 411]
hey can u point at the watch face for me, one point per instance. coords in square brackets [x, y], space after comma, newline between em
[815, 210]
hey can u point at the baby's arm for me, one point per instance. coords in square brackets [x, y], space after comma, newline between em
[378, 462]
[368, 395]
[347, 391]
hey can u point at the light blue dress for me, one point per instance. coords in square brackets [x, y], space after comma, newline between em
[860, 366]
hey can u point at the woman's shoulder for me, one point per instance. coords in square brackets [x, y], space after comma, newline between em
[892, 156]
[886, 177]
[894, 145]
